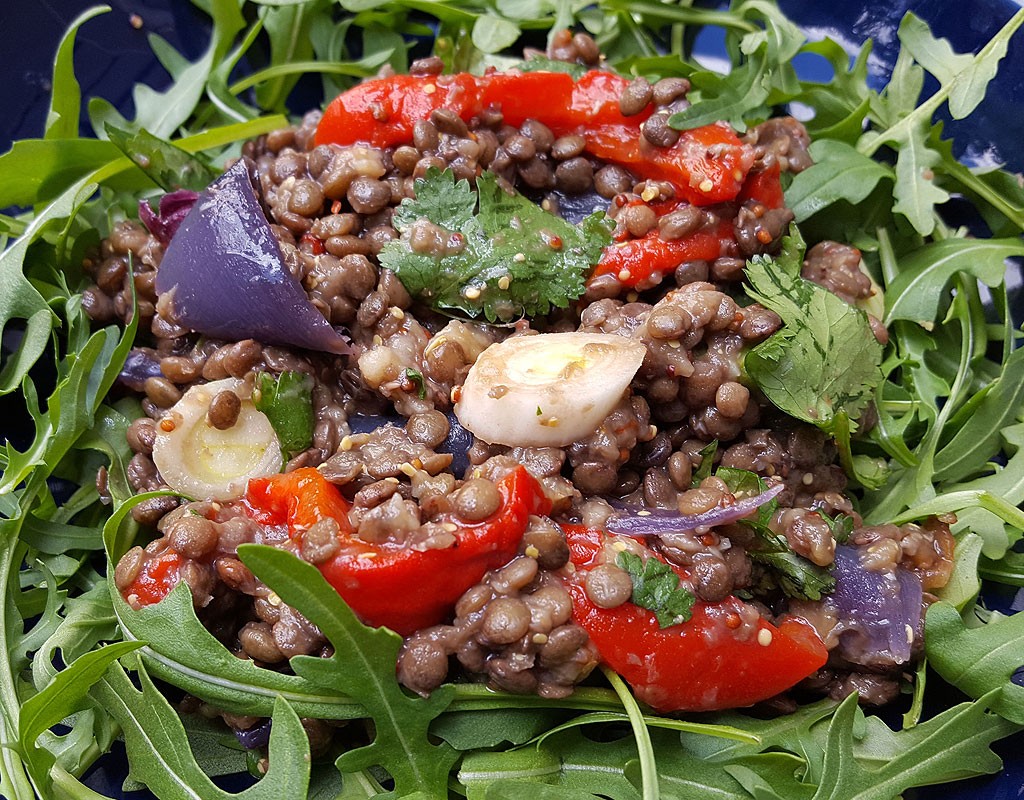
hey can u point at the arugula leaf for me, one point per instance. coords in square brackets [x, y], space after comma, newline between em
[64, 695]
[288, 403]
[978, 661]
[569, 761]
[508, 259]
[905, 124]
[66, 94]
[539, 63]
[839, 172]
[825, 360]
[657, 588]
[979, 438]
[160, 755]
[492, 34]
[917, 292]
[363, 664]
[952, 745]
[168, 166]
[730, 97]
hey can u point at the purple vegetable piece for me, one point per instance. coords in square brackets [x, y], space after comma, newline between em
[879, 612]
[174, 207]
[228, 277]
[255, 737]
[457, 443]
[141, 363]
[656, 522]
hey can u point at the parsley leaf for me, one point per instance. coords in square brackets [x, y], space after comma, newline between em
[656, 588]
[826, 359]
[508, 259]
[287, 402]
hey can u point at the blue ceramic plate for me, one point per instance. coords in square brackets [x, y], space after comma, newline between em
[113, 54]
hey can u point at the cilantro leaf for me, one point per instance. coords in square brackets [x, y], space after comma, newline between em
[510, 258]
[707, 462]
[825, 360]
[656, 587]
[797, 576]
[287, 402]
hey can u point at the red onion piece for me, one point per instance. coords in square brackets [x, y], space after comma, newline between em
[141, 363]
[656, 522]
[876, 611]
[228, 276]
[255, 737]
[174, 207]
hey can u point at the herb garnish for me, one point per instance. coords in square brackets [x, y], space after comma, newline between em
[503, 256]
[657, 588]
[287, 402]
[825, 360]
[797, 576]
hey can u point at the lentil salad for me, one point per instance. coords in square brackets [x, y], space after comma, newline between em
[687, 438]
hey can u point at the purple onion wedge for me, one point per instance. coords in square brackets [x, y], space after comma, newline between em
[142, 363]
[656, 522]
[228, 278]
[172, 210]
[879, 612]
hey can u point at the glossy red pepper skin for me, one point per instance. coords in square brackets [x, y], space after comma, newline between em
[382, 112]
[387, 584]
[641, 263]
[707, 165]
[155, 580]
[764, 187]
[699, 665]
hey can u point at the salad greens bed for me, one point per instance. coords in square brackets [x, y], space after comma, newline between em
[949, 436]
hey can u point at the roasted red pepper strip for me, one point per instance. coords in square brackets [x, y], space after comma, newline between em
[765, 187]
[155, 580]
[297, 499]
[725, 656]
[382, 112]
[641, 263]
[707, 165]
[388, 584]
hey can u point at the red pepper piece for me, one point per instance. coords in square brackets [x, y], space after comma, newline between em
[713, 661]
[641, 263]
[707, 165]
[298, 499]
[156, 579]
[388, 584]
[564, 105]
[764, 187]
[382, 112]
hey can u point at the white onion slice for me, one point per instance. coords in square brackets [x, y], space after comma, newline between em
[547, 390]
[205, 463]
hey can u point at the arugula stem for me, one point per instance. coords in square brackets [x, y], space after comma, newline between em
[15, 783]
[958, 501]
[924, 112]
[648, 768]
[683, 14]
